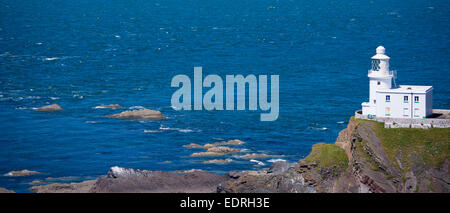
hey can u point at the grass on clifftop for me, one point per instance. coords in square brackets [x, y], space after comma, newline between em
[423, 146]
[326, 155]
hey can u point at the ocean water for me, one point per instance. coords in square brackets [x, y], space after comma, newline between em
[81, 54]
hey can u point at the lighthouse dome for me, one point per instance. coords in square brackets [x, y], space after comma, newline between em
[381, 50]
[381, 54]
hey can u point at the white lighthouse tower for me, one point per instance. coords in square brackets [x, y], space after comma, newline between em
[387, 100]
[380, 77]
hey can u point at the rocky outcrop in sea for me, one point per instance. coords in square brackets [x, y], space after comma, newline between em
[50, 108]
[131, 180]
[145, 114]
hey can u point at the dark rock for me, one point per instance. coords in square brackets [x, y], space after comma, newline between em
[82, 187]
[279, 167]
[130, 180]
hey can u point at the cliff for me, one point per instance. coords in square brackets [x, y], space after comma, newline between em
[366, 157]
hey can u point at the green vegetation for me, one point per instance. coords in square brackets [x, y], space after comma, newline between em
[413, 146]
[326, 155]
[361, 152]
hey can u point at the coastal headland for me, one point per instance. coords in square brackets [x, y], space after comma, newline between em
[365, 158]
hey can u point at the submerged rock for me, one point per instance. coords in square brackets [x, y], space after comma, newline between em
[230, 142]
[36, 182]
[110, 106]
[146, 114]
[215, 151]
[218, 161]
[206, 154]
[208, 145]
[50, 108]
[193, 145]
[82, 187]
[255, 155]
[24, 172]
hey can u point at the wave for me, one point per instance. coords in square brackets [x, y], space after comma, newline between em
[44, 58]
[136, 107]
[51, 58]
[257, 161]
[319, 128]
[166, 128]
[100, 107]
[151, 131]
[33, 97]
[276, 160]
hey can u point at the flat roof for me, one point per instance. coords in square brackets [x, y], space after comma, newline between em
[408, 89]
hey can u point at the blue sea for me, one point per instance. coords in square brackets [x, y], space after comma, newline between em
[81, 54]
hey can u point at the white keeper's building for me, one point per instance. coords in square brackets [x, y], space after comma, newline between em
[386, 99]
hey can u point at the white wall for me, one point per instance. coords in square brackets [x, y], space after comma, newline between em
[399, 108]
[429, 103]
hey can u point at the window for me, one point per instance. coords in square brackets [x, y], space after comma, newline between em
[378, 83]
[405, 112]
[416, 99]
[388, 98]
[416, 112]
[405, 99]
[375, 64]
[388, 111]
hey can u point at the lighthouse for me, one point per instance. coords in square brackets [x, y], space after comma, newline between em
[380, 77]
[386, 99]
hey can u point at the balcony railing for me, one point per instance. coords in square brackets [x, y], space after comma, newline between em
[392, 73]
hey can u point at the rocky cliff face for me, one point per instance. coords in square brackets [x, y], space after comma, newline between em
[375, 164]
[385, 160]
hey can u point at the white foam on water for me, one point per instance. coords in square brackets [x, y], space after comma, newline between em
[185, 130]
[33, 97]
[78, 96]
[257, 161]
[340, 122]
[51, 58]
[99, 107]
[136, 107]
[151, 131]
[276, 160]
[166, 128]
